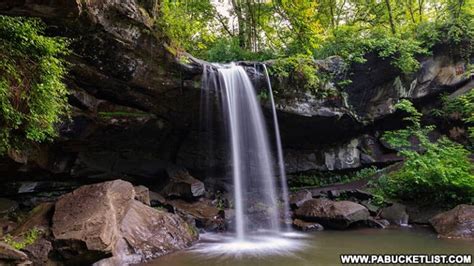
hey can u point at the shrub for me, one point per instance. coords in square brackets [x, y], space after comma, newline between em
[463, 106]
[32, 95]
[301, 71]
[433, 173]
[228, 50]
[353, 44]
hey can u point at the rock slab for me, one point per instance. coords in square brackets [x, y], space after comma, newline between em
[332, 214]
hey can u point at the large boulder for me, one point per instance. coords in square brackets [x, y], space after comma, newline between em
[332, 214]
[102, 220]
[396, 214]
[455, 223]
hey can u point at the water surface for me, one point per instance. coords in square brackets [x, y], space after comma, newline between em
[319, 248]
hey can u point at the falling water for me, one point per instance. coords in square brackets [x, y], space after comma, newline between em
[255, 196]
[281, 163]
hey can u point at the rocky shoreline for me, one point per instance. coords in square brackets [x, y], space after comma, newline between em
[113, 223]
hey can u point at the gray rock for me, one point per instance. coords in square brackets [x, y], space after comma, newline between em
[396, 214]
[298, 198]
[332, 214]
[455, 223]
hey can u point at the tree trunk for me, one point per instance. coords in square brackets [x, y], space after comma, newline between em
[390, 16]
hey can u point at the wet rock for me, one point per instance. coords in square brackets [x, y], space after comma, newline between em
[11, 256]
[182, 185]
[38, 252]
[332, 214]
[377, 223]
[7, 206]
[142, 194]
[201, 213]
[104, 220]
[307, 226]
[373, 209]
[455, 223]
[298, 198]
[396, 214]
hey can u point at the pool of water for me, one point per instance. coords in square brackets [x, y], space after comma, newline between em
[318, 248]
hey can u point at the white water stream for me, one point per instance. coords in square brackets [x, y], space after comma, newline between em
[256, 200]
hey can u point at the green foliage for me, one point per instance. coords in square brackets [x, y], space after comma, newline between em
[353, 44]
[435, 173]
[462, 106]
[32, 94]
[302, 71]
[299, 69]
[325, 179]
[27, 239]
[187, 24]
[220, 201]
[456, 33]
[228, 50]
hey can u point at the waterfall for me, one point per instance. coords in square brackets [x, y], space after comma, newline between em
[281, 162]
[255, 196]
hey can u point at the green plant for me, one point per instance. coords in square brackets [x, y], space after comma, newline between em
[220, 201]
[462, 106]
[353, 44]
[301, 71]
[33, 98]
[27, 239]
[433, 173]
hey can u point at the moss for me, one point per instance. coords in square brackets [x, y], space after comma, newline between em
[23, 241]
[192, 230]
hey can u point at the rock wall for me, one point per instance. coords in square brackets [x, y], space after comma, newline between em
[136, 105]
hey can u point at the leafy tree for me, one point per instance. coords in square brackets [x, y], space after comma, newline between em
[32, 94]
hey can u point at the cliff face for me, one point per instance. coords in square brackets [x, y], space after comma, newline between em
[136, 106]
